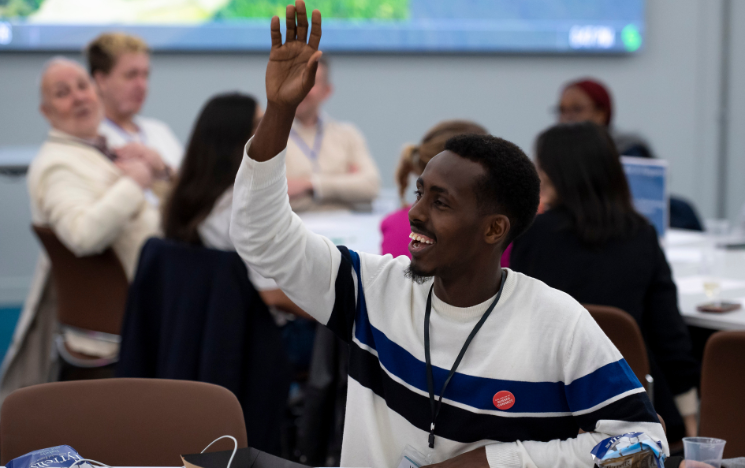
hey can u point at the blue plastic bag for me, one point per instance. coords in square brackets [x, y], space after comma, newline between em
[61, 456]
[634, 449]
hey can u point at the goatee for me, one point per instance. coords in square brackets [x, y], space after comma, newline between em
[416, 276]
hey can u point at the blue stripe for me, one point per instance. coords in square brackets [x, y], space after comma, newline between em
[363, 328]
[478, 392]
[604, 383]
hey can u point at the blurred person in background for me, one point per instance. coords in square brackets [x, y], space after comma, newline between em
[328, 162]
[588, 100]
[199, 206]
[592, 244]
[198, 209]
[120, 67]
[92, 199]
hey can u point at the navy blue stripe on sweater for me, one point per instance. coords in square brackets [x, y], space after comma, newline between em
[584, 393]
[392, 373]
[462, 425]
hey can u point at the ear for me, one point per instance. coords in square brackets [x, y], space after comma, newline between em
[497, 229]
[98, 78]
[44, 109]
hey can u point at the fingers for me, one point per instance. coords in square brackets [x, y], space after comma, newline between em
[315, 33]
[302, 21]
[309, 74]
[291, 31]
[276, 34]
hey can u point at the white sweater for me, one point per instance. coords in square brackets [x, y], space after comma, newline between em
[539, 344]
[214, 233]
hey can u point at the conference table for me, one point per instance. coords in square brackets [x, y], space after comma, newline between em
[685, 251]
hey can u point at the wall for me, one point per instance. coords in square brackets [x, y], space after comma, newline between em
[735, 200]
[668, 92]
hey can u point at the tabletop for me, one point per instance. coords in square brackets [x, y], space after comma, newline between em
[686, 252]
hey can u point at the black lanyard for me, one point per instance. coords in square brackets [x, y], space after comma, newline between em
[430, 379]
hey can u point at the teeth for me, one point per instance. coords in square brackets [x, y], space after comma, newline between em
[419, 238]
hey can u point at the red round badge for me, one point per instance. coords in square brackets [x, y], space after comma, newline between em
[504, 400]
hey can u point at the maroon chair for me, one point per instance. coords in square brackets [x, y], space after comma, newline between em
[722, 412]
[91, 295]
[121, 422]
[623, 331]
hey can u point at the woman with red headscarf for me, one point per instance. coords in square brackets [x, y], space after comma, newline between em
[588, 100]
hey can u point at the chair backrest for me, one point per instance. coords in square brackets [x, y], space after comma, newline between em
[121, 422]
[623, 331]
[722, 412]
[91, 290]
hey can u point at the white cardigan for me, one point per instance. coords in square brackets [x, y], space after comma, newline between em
[87, 201]
[90, 206]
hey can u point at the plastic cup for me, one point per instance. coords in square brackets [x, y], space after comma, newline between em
[704, 449]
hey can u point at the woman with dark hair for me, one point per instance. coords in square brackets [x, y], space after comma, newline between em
[588, 100]
[593, 245]
[198, 208]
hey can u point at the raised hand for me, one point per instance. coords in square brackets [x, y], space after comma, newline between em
[291, 71]
[290, 75]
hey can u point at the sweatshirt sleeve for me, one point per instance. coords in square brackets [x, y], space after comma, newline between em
[84, 221]
[274, 241]
[605, 398]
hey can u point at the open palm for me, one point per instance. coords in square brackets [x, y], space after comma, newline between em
[291, 71]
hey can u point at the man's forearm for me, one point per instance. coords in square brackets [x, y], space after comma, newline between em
[271, 136]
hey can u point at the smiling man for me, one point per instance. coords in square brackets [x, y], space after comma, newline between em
[454, 361]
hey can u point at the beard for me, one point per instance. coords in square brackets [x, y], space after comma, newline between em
[416, 275]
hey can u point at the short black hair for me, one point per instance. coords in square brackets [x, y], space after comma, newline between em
[511, 184]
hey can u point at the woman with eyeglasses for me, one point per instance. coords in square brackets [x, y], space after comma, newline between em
[588, 100]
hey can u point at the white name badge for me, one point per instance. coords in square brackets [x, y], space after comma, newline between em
[412, 458]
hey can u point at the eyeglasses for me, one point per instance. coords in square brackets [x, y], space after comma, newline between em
[570, 111]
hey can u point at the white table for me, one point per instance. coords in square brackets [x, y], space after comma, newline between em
[685, 250]
[357, 231]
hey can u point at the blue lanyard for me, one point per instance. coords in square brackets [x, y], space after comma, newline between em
[311, 153]
[128, 136]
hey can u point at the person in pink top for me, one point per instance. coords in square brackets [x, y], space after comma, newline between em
[395, 227]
